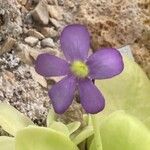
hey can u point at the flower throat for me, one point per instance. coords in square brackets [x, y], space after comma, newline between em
[79, 69]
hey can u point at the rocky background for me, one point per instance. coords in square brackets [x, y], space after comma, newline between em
[31, 27]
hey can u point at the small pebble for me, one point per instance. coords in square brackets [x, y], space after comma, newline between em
[49, 32]
[47, 42]
[40, 13]
[55, 12]
[35, 33]
[7, 46]
[32, 41]
[55, 23]
[60, 2]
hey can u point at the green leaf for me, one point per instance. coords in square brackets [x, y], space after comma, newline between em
[40, 138]
[72, 127]
[87, 119]
[97, 135]
[59, 126]
[7, 143]
[121, 131]
[51, 117]
[11, 120]
[82, 135]
[129, 91]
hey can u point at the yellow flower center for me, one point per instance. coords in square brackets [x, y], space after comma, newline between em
[79, 69]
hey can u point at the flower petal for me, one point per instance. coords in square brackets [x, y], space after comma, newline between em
[91, 98]
[48, 65]
[75, 42]
[105, 63]
[61, 94]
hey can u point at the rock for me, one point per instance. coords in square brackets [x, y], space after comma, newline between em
[9, 61]
[49, 32]
[55, 12]
[38, 78]
[47, 42]
[38, 45]
[40, 13]
[28, 19]
[27, 53]
[34, 54]
[55, 23]
[112, 23]
[25, 30]
[52, 51]
[10, 19]
[8, 45]
[35, 33]
[32, 41]
[9, 76]
[31, 4]
[52, 2]
[23, 10]
[60, 2]
[22, 2]
[25, 94]
[142, 57]
[71, 4]
[145, 39]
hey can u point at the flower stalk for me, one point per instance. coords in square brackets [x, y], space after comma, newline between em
[97, 136]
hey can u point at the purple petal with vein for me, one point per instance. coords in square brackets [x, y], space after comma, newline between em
[61, 94]
[105, 63]
[48, 65]
[75, 42]
[91, 98]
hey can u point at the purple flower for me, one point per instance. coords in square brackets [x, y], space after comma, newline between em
[79, 70]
